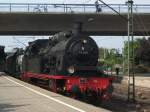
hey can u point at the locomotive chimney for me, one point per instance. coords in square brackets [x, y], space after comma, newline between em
[77, 28]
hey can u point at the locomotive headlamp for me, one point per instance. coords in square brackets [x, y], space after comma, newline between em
[84, 41]
[71, 69]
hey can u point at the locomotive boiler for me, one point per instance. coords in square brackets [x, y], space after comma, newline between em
[73, 55]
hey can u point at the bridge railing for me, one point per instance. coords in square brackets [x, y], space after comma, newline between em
[69, 8]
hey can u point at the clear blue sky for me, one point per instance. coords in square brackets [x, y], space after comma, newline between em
[108, 42]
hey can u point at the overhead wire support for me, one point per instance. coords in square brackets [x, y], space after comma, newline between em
[19, 41]
[114, 10]
[131, 75]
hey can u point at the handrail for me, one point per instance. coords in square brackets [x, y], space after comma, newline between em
[69, 8]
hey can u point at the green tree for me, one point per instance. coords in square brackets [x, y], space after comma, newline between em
[143, 52]
[136, 44]
[110, 57]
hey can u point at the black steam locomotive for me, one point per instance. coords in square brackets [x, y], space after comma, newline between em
[67, 63]
[62, 54]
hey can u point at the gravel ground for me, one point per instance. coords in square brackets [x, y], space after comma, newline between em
[119, 100]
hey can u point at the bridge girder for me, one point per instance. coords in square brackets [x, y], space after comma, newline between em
[50, 23]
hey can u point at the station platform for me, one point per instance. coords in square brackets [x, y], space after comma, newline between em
[19, 96]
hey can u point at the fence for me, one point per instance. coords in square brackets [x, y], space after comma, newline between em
[69, 8]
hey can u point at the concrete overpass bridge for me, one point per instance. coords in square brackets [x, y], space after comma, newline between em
[47, 19]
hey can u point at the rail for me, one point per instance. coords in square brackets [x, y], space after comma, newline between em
[69, 8]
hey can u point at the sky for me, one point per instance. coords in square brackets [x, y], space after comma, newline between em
[107, 42]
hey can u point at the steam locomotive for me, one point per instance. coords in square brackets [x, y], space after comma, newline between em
[67, 63]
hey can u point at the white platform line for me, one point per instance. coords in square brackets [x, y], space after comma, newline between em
[39, 93]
